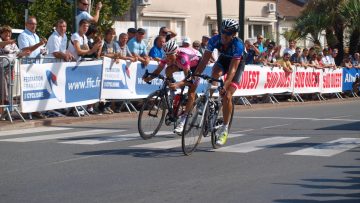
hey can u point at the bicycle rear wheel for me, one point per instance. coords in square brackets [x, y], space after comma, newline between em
[192, 132]
[218, 122]
[151, 115]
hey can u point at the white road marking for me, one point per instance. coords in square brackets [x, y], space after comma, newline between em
[274, 126]
[109, 139]
[32, 130]
[329, 148]
[291, 118]
[258, 144]
[169, 144]
[60, 135]
[341, 116]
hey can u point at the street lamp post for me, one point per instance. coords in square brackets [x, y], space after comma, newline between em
[219, 14]
[241, 18]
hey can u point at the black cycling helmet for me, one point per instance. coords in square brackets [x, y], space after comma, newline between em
[230, 25]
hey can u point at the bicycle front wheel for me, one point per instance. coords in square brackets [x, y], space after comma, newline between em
[192, 132]
[218, 123]
[151, 115]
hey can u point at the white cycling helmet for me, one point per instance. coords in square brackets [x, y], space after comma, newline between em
[230, 25]
[170, 47]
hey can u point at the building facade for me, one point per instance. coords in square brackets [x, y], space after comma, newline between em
[194, 18]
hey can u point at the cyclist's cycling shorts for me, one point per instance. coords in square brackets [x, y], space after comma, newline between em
[224, 63]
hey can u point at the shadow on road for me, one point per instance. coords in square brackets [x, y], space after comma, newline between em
[355, 126]
[346, 190]
[136, 152]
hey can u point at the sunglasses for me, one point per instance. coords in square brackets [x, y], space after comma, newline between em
[85, 4]
[228, 33]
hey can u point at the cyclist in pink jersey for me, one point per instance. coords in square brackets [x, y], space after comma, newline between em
[179, 59]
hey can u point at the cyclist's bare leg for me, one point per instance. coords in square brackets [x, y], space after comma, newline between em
[227, 104]
[216, 73]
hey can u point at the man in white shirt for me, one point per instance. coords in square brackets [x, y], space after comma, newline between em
[327, 59]
[291, 49]
[78, 45]
[57, 42]
[29, 40]
[82, 12]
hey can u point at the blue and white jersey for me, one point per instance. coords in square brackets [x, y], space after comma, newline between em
[234, 50]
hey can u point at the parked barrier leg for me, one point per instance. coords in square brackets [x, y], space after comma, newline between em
[133, 107]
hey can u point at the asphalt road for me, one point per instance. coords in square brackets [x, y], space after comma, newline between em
[286, 155]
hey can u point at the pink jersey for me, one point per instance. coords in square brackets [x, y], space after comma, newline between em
[186, 58]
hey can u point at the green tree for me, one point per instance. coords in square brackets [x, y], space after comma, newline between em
[325, 15]
[12, 13]
[48, 12]
[111, 9]
[350, 10]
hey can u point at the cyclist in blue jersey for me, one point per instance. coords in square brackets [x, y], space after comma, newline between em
[230, 62]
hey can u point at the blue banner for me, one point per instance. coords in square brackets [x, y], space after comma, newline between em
[349, 76]
[83, 83]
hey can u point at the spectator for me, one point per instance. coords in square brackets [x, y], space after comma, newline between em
[320, 55]
[137, 47]
[11, 51]
[269, 56]
[260, 43]
[311, 53]
[251, 52]
[124, 52]
[291, 48]
[57, 43]
[356, 60]
[296, 58]
[214, 32]
[156, 52]
[186, 44]
[110, 47]
[328, 60]
[167, 33]
[78, 45]
[334, 54]
[93, 37]
[29, 40]
[285, 63]
[82, 13]
[305, 57]
[314, 62]
[204, 43]
[196, 45]
[131, 32]
[347, 62]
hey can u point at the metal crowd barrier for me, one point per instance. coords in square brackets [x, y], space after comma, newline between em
[10, 88]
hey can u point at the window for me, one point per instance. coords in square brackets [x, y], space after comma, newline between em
[152, 27]
[256, 29]
[180, 30]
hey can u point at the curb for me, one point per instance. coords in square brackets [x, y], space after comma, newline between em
[18, 124]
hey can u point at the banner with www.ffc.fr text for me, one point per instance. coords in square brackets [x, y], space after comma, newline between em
[59, 85]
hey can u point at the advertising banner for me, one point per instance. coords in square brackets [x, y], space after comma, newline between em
[59, 85]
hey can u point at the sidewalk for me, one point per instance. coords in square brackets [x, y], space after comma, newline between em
[18, 124]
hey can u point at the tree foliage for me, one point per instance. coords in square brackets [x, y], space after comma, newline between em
[48, 12]
[335, 17]
[12, 13]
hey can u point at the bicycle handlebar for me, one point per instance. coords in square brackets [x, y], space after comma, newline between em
[210, 79]
[147, 74]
